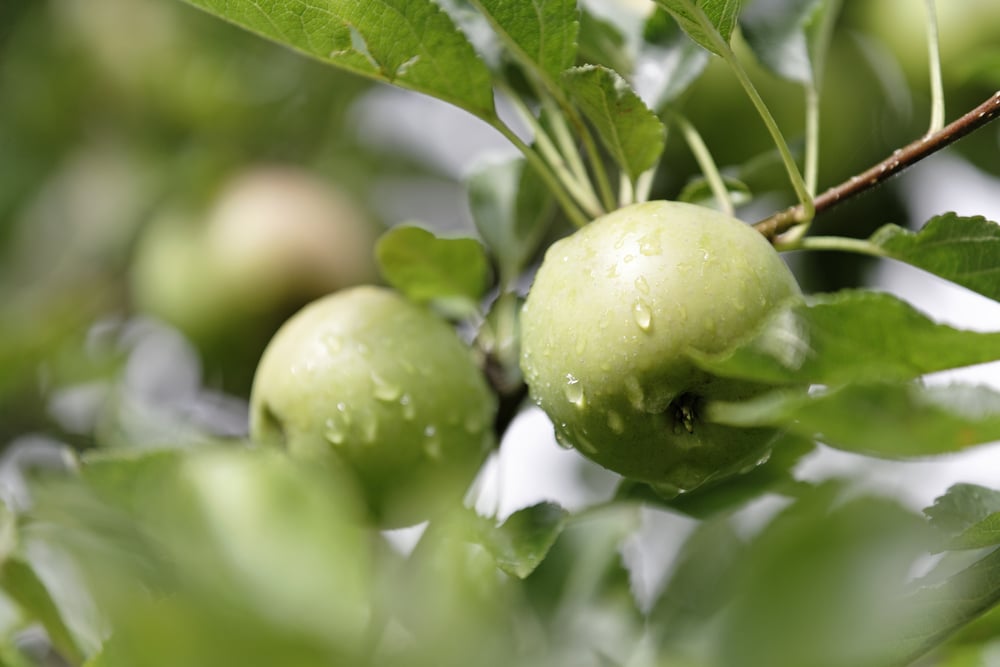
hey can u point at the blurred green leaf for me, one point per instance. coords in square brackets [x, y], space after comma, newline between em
[19, 580]
[964, 250]
[851, 336]
[822, 584]
[701, 581]
[511, 209]
[698, 191]
[628, 128]
[601, 43]
[778, 33]
[542, 34]
[935, 612]
[425, 267]
[772, 476]
[409, 43]
[890, 420]
[705, 21]
[968, 515]
[521, 543]
[681, 61]
[962, 506]
[584, 568]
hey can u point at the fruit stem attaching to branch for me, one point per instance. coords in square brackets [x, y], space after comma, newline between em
[899, 160]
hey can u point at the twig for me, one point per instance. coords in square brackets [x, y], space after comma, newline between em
[892, 165]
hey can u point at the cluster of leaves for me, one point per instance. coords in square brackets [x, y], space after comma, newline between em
[179, 549]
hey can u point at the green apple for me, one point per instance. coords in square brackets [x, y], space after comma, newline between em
[273, 239]
[368, 380]
[608, 323]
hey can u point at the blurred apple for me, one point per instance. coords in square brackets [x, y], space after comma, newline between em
[275, 238]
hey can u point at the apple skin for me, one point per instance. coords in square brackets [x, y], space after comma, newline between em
[368, 380]
[608, 321]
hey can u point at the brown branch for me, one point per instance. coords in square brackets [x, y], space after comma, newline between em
[892, 165]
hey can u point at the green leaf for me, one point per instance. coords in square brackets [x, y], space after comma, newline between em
[602, 43]
[851, 336]
[778, 34]
[409, 43]
[963, 506]
[427, 268]
[630, 131]
[888, 420]
[680, 61]
[772, 476]
[935, 612]
[698, 191]
[19, 581]
[701, 581]
[541, 34]
[969, 516]
[822, 584]
[511, 209]
[710, 23]
[521, 543]
[964, 250]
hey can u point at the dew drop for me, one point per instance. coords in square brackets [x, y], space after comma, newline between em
[642, 285]
[563, 441]
[574, 391]
[409, 410]
[620, 242]
[615, 422]
[333, 343]
[584, 445]
[345, 415]
[612, 271]
[385, 390]
[650, 246]
[334, 433]
[643, 314]
[667, 490]
[628, 258]
[634, 392]
[473, 423]
[432, 442]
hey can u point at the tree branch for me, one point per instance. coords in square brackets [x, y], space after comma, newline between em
[892, 165]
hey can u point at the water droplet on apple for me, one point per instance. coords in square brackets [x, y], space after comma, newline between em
[643, 314]
[650, 246]
[473, 423]
[667, 490]
[642, 285]
[333, 342]
[562, 440]
[615, 422]
[432, 442]
[334, 434]
[633, 390]
[345, 415]
[385, 390]
[574, 391]
[584, 445]
[409, 410]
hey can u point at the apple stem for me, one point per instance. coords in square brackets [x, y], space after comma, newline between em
[899, 160]
[934, 61]
[705, 162]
